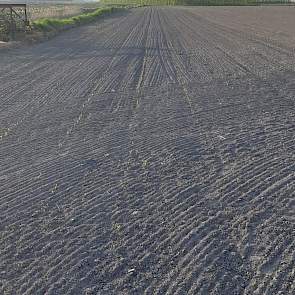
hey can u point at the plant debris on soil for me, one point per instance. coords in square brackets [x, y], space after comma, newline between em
[151, 152]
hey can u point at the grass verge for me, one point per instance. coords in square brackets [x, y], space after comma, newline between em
[52, 24]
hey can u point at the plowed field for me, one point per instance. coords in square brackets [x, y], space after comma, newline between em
[151, 152]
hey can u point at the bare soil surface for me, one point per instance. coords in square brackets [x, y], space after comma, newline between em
[151, 153]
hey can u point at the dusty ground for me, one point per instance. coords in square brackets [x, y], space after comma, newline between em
[151, 153]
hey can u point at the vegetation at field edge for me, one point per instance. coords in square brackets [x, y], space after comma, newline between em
[49, 24]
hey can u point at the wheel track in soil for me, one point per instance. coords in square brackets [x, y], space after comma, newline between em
[172, 156]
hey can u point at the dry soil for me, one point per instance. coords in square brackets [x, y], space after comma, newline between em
[151, 153]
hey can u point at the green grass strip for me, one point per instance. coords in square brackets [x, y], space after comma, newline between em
[49, 24]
